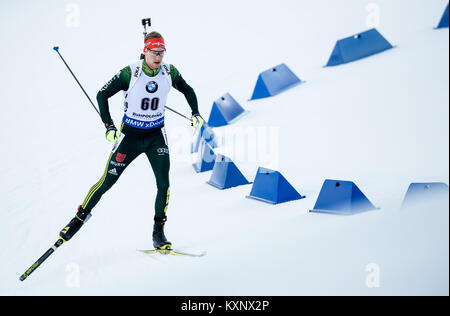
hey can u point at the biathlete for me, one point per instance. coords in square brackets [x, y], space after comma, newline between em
[146, 85]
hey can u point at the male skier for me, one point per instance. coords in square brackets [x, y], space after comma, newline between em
[146, 85]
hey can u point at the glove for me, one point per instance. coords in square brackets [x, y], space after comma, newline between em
[197, 121]
[112, 134]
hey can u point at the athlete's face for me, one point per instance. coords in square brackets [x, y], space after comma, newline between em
[154, 57]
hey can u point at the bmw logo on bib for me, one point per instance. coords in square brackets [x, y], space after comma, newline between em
[151, 87]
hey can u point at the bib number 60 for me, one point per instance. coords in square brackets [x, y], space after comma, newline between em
[146, 104]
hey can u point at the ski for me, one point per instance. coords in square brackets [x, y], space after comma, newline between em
[173, 252]
[47, 254]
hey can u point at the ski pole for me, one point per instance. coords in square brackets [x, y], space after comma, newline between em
[56, 48]
[187, 118]
[47, 254]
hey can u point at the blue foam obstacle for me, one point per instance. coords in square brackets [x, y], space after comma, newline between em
[357, 47]
[444, 20]
[424, 192]
[196, 143]
[274, 81]
[341, 197]
[226, 174]
[224, 110]
[207, 134]
[271, 187]
[207, 158]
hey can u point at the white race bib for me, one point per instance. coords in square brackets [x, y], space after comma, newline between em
[146, 97]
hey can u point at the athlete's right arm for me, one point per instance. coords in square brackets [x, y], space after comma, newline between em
[119, 82]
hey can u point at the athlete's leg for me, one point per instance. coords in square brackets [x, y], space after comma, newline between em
[129, 148]
[157, 153]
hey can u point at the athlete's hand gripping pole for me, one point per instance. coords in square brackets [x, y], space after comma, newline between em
[197, 121]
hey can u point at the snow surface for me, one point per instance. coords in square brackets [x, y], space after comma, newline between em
[381, 122]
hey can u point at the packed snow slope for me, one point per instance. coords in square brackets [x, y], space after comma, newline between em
[381, 122]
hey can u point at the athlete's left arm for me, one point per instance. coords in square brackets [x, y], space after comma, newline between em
[180, 84]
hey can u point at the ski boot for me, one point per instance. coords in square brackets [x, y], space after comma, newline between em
[75, 224]
[159, 240]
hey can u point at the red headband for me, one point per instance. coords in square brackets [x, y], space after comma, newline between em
[154, 43]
